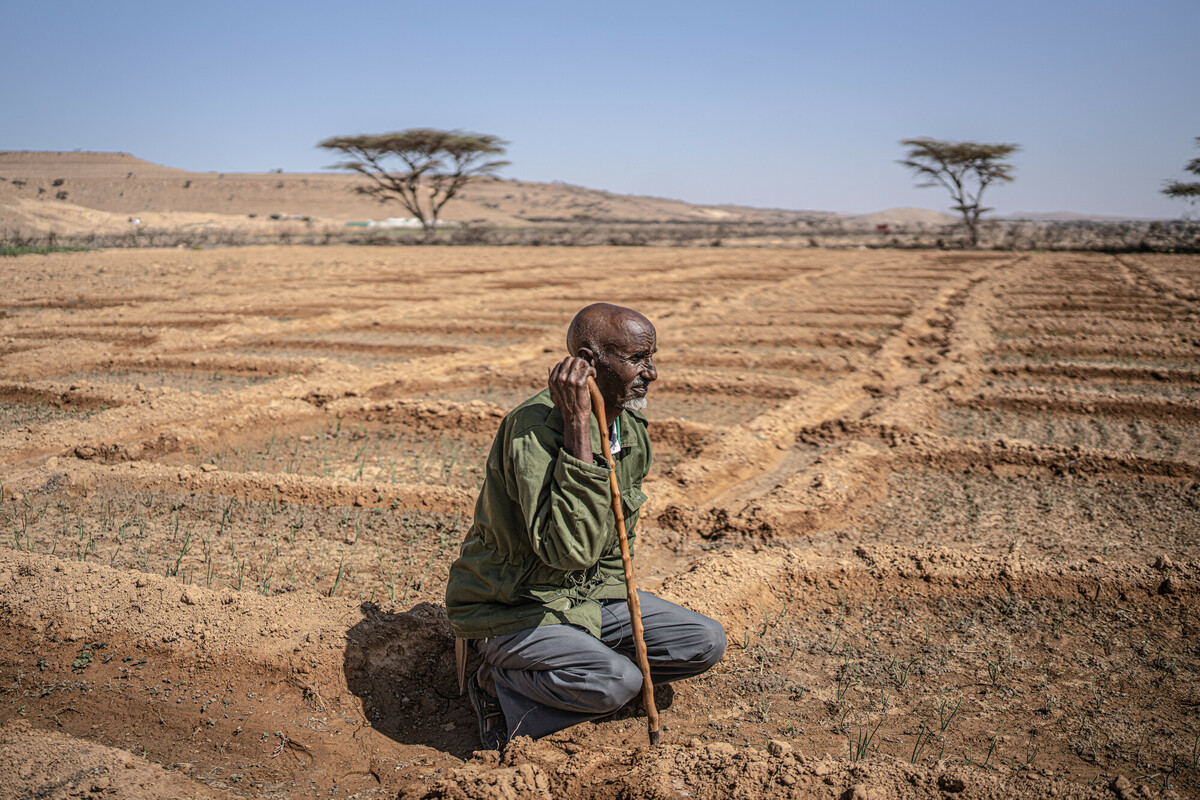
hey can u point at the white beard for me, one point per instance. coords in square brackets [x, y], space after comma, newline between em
[636, 404]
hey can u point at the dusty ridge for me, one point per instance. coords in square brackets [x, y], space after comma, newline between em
[76, 192]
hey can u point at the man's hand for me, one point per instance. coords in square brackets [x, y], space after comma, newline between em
[569, 391]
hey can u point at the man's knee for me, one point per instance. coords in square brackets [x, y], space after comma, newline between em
[614, 688]
[711, 644]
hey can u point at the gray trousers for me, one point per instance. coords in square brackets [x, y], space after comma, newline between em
[555, 676]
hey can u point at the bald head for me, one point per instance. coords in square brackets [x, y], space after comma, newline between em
[600, 326]
[620, 344]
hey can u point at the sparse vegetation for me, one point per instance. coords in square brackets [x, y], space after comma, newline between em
[1171, 236]
[1186, 190]
[439, 164]
[39, 249]
[965, 169]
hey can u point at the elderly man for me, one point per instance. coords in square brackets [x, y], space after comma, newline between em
[538, 584]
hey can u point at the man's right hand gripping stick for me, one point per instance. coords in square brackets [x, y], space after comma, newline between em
[635, 609]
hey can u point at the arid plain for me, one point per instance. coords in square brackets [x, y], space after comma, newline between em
[946, 504]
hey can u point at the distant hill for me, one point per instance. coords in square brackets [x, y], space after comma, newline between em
[905, 216]
[84, 191]
[1065, 216]
[81, 193]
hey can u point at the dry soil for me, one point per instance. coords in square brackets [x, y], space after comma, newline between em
[946, 506]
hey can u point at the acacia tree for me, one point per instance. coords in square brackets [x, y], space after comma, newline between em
[1186, 191]
[963, 168]
[437, 165]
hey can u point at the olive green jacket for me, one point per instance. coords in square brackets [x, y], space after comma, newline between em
[543, 548]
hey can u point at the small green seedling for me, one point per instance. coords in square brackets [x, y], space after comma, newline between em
[923, 737]
[992, 747]
[83, 658]
[945, 719]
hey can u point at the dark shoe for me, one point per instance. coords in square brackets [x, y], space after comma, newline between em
[493, 727]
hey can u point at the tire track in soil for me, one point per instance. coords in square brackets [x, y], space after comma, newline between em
[767, 467]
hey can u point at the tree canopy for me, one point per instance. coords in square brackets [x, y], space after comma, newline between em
[1186, 191]
[965, 169]
[436, 165]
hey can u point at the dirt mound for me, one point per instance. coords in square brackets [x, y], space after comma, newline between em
[46, 764]
[19, 163]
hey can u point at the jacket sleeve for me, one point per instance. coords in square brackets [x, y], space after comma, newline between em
[565, 502]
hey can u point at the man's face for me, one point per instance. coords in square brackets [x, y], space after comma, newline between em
[626, 368]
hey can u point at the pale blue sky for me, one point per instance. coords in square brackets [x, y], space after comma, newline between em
[784, 104]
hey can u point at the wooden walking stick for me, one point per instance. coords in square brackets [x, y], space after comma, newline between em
[635, 607]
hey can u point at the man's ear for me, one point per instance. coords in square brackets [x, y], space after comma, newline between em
[587, 355]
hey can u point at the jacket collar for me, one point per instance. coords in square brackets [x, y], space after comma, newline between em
[628, 439]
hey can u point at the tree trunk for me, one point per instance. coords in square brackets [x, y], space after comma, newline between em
[972, 223]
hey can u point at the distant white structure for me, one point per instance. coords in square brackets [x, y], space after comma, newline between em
[401, 222]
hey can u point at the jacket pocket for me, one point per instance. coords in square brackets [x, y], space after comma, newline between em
[632, 500]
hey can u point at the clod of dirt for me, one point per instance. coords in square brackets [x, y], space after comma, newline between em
[526, 782]
[778, 747]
